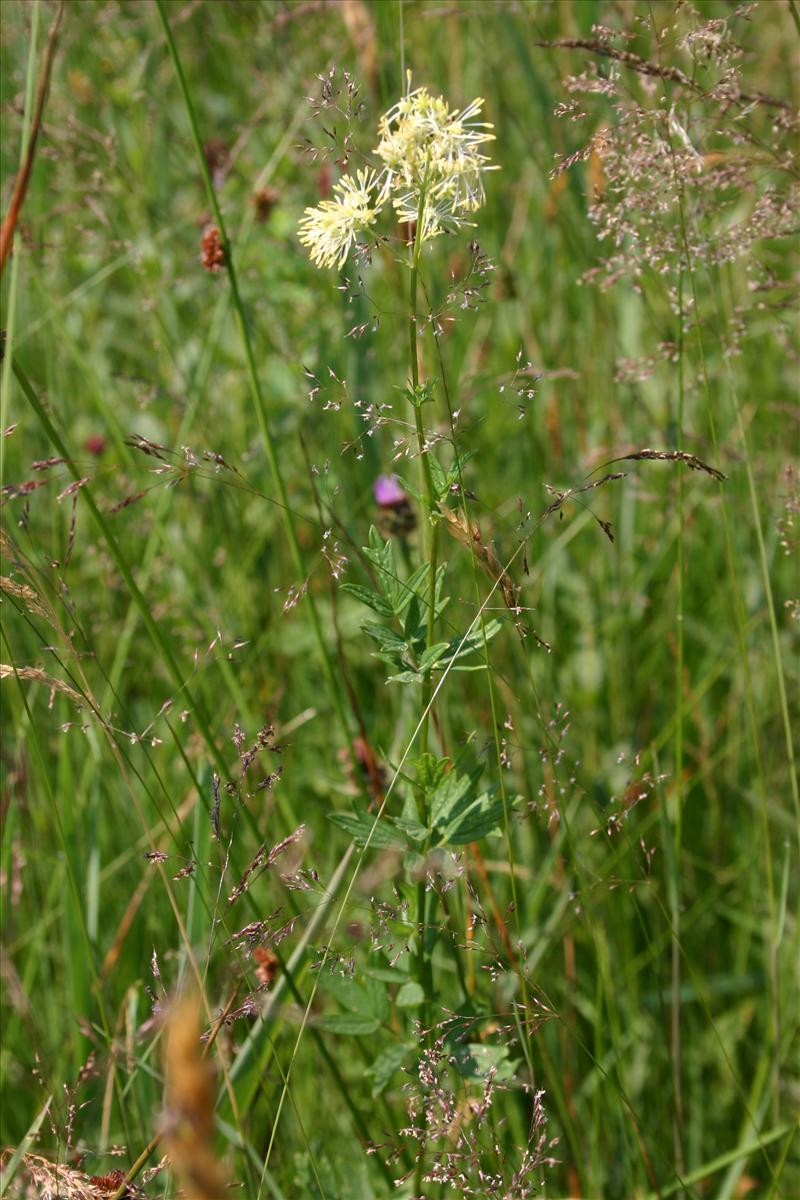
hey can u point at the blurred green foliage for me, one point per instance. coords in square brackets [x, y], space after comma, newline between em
[123, 334]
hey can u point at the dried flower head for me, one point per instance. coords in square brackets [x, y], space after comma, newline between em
[58, 1181]
[212, 253]
[264, 200]
[266, 965]
[218, 158]
[109, 1182]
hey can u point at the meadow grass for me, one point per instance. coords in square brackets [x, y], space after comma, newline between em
[524, 929]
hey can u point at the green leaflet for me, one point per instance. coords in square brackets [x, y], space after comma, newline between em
[387, 1063]
[362, 828]
[460, 813]
[431, 771]
[475, 1060]
[385, 636]
[381, 555]
[415, 585]
[453, 789]
[387, 974]
[405, 677]
[458, 647]
[350, 1024]
[433, 655]
[369, 597]
[473, 819]
[410, 995]
[407, 601]
[365, 995]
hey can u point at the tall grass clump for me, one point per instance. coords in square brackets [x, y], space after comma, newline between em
[400, 500]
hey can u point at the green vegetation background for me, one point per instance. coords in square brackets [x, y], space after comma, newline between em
[122, 332]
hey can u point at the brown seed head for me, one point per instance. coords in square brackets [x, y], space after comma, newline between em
[264, 200]
[266, 965]
[212, 254]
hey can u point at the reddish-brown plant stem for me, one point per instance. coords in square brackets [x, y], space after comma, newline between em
[11, 218]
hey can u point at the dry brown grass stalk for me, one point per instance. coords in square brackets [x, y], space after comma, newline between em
[468, 533]
[38, 676]
[21, 591]
[23, 178]
[361, 28]
[654, 70]
[188, 1121]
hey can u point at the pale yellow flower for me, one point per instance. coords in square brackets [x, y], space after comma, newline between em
[427, 150]
[424, 144]
[330, 229]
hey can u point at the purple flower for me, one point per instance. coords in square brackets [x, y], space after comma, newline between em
[388, 492]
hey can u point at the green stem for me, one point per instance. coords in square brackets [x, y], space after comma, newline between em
[430, 526]
[795, 15]
[675, 1016]
[431, 549]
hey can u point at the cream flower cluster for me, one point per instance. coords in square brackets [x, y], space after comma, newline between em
[431, 158]
[329, 230]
